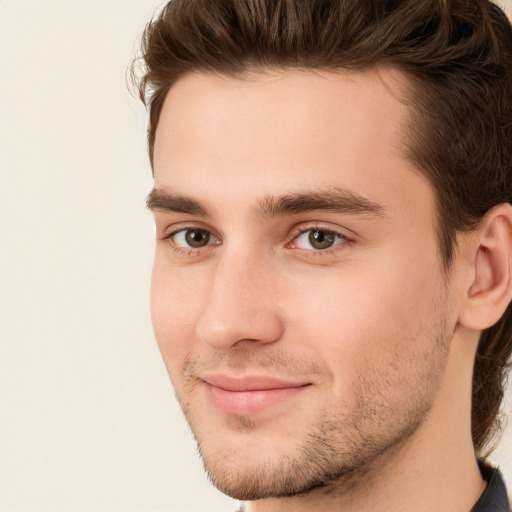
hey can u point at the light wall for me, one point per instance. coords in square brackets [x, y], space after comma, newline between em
[88, 421]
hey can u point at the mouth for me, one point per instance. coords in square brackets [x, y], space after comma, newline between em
[249, 395]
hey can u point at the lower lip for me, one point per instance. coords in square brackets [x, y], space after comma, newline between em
[247, 403]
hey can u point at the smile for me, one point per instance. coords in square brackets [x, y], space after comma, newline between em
[250, 395]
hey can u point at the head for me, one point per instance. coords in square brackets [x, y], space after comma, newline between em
[441, 73]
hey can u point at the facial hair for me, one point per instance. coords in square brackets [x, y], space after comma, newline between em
[386, 404]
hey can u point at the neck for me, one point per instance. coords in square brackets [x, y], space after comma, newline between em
[434, 467]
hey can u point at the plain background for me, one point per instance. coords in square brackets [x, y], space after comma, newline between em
[88, 420]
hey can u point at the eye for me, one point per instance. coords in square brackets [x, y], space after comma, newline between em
[194, 238]
[317, 239]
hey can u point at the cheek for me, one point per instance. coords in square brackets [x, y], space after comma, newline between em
[349, 317]
[175, 304]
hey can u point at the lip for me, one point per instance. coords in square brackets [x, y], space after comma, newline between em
[249, 395]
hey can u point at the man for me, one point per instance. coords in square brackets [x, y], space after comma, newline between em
[332, 276]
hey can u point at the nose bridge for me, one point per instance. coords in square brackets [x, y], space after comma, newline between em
[240, 306]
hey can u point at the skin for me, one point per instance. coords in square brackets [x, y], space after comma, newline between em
[375, 331]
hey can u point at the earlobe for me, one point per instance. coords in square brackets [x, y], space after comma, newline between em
[490, 291]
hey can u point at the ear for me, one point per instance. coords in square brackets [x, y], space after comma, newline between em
[490, 290]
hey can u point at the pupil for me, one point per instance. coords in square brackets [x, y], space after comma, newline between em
[321, 239]
[197, 237]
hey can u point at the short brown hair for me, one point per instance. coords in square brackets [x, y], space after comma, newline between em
[458, 57]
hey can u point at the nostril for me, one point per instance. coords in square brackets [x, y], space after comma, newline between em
[239, 330]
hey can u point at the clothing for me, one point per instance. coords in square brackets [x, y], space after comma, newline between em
[494, 498]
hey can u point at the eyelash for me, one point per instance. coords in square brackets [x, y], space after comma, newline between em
[191, 251]
[337, 247]
[188, 251]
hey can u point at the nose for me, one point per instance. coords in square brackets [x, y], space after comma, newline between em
[241, 308]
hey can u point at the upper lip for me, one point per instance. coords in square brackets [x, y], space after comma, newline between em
[250, 382]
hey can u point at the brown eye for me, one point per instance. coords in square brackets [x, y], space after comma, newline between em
[194, 238]
[318, 239]
[197, 237]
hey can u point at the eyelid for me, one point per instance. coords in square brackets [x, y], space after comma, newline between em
[171, 230]
[320, 226]
[185, 251]
[348, 238]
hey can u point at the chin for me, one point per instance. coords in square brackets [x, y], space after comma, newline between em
[270, 479]
[248, 464]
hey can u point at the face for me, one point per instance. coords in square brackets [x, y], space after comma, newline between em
[298, 296]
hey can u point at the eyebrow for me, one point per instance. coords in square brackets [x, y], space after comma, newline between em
[164, 200]
[334, 199]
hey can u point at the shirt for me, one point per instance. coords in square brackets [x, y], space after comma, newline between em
[494, 498]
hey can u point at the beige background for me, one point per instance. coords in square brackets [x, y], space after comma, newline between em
[88, 421]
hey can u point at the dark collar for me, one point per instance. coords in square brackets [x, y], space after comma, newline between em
[494, 498]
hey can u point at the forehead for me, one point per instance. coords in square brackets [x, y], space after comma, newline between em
[239, 137]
